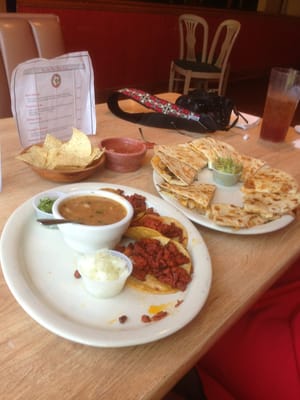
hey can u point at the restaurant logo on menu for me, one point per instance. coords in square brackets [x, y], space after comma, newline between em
[56, 80]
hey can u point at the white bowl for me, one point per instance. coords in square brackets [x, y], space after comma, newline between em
[225, 178]
[104, 273]
[90, 238]
[50, 194]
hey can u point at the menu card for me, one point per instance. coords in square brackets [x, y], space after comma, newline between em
[53, 96]
[249, 120]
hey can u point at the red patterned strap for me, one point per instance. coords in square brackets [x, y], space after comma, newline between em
[164, 114]
[159, 105]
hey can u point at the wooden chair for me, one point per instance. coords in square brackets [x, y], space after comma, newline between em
[23, 37]
[193, 36]
[213, 72]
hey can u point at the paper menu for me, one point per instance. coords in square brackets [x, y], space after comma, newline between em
[53, 96]
[249, 122]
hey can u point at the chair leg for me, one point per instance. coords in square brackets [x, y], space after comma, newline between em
[171, 78]
[205, 85]
[224, 81]
[187, 82]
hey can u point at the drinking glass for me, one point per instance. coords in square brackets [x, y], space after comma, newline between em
[281, 102]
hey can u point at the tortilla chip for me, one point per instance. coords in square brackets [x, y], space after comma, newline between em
[35, 155]
[79, 145]
[52, 142]
[76, 153]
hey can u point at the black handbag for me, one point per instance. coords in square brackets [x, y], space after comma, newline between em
[197, 112]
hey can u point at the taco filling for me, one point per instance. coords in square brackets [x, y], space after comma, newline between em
[160, 265]
[158, 226]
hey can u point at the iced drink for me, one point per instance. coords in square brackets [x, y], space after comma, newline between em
[281, 102]
[278, 114]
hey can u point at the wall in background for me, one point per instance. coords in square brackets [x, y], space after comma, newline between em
[286, 7]
[292, 7]
[133, 44]
[2, 6]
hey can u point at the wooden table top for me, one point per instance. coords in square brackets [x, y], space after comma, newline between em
[37, 364]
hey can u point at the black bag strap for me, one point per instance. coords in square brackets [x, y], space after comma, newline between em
[164, 114]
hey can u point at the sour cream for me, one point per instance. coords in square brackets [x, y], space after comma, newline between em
[102, 266]
[104, 273]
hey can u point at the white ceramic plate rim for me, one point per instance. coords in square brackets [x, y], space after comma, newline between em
[23, 247]
[223, 195]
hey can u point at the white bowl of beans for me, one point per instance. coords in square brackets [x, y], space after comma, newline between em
[100, 218]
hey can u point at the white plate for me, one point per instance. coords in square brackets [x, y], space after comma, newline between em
[38, 268]
[223, 194]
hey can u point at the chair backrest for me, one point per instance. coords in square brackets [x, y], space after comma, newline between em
[23, 37]
[48, 36]
[192, 28]
[222, 43]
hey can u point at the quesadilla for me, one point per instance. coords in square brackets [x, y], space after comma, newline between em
[173, 171]
[211, 149]
[268, 193]
[250, 166]
[183, 153]
[233, 216]
[196, 196]
[270, 205]
[180, 160]
[270, 180]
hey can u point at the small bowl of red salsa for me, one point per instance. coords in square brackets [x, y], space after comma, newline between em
[123, 154]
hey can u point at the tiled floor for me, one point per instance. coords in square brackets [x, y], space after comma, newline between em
[249, 96]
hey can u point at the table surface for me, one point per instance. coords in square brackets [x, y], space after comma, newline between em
[37, 364]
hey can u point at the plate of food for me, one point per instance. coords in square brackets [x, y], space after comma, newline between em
[262, 200]
[36, 264]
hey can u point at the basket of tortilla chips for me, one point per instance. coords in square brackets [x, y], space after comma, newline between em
[58, 161]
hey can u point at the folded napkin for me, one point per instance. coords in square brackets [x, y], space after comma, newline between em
[297, 128]
[297, 143]
[252, 120]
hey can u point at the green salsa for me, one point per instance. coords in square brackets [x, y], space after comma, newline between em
[46, 204]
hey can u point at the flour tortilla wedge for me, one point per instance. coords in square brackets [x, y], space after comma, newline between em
[251, 166]
[197, 196]
[212, 149]
[233, 216]
[181, 170]
[151, 284]
[184, 153]
[270, 180]
[270, 205]
[165, 173]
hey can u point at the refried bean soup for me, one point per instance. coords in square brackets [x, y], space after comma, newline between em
[92, 210]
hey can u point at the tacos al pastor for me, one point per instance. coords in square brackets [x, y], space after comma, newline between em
[160, 265]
